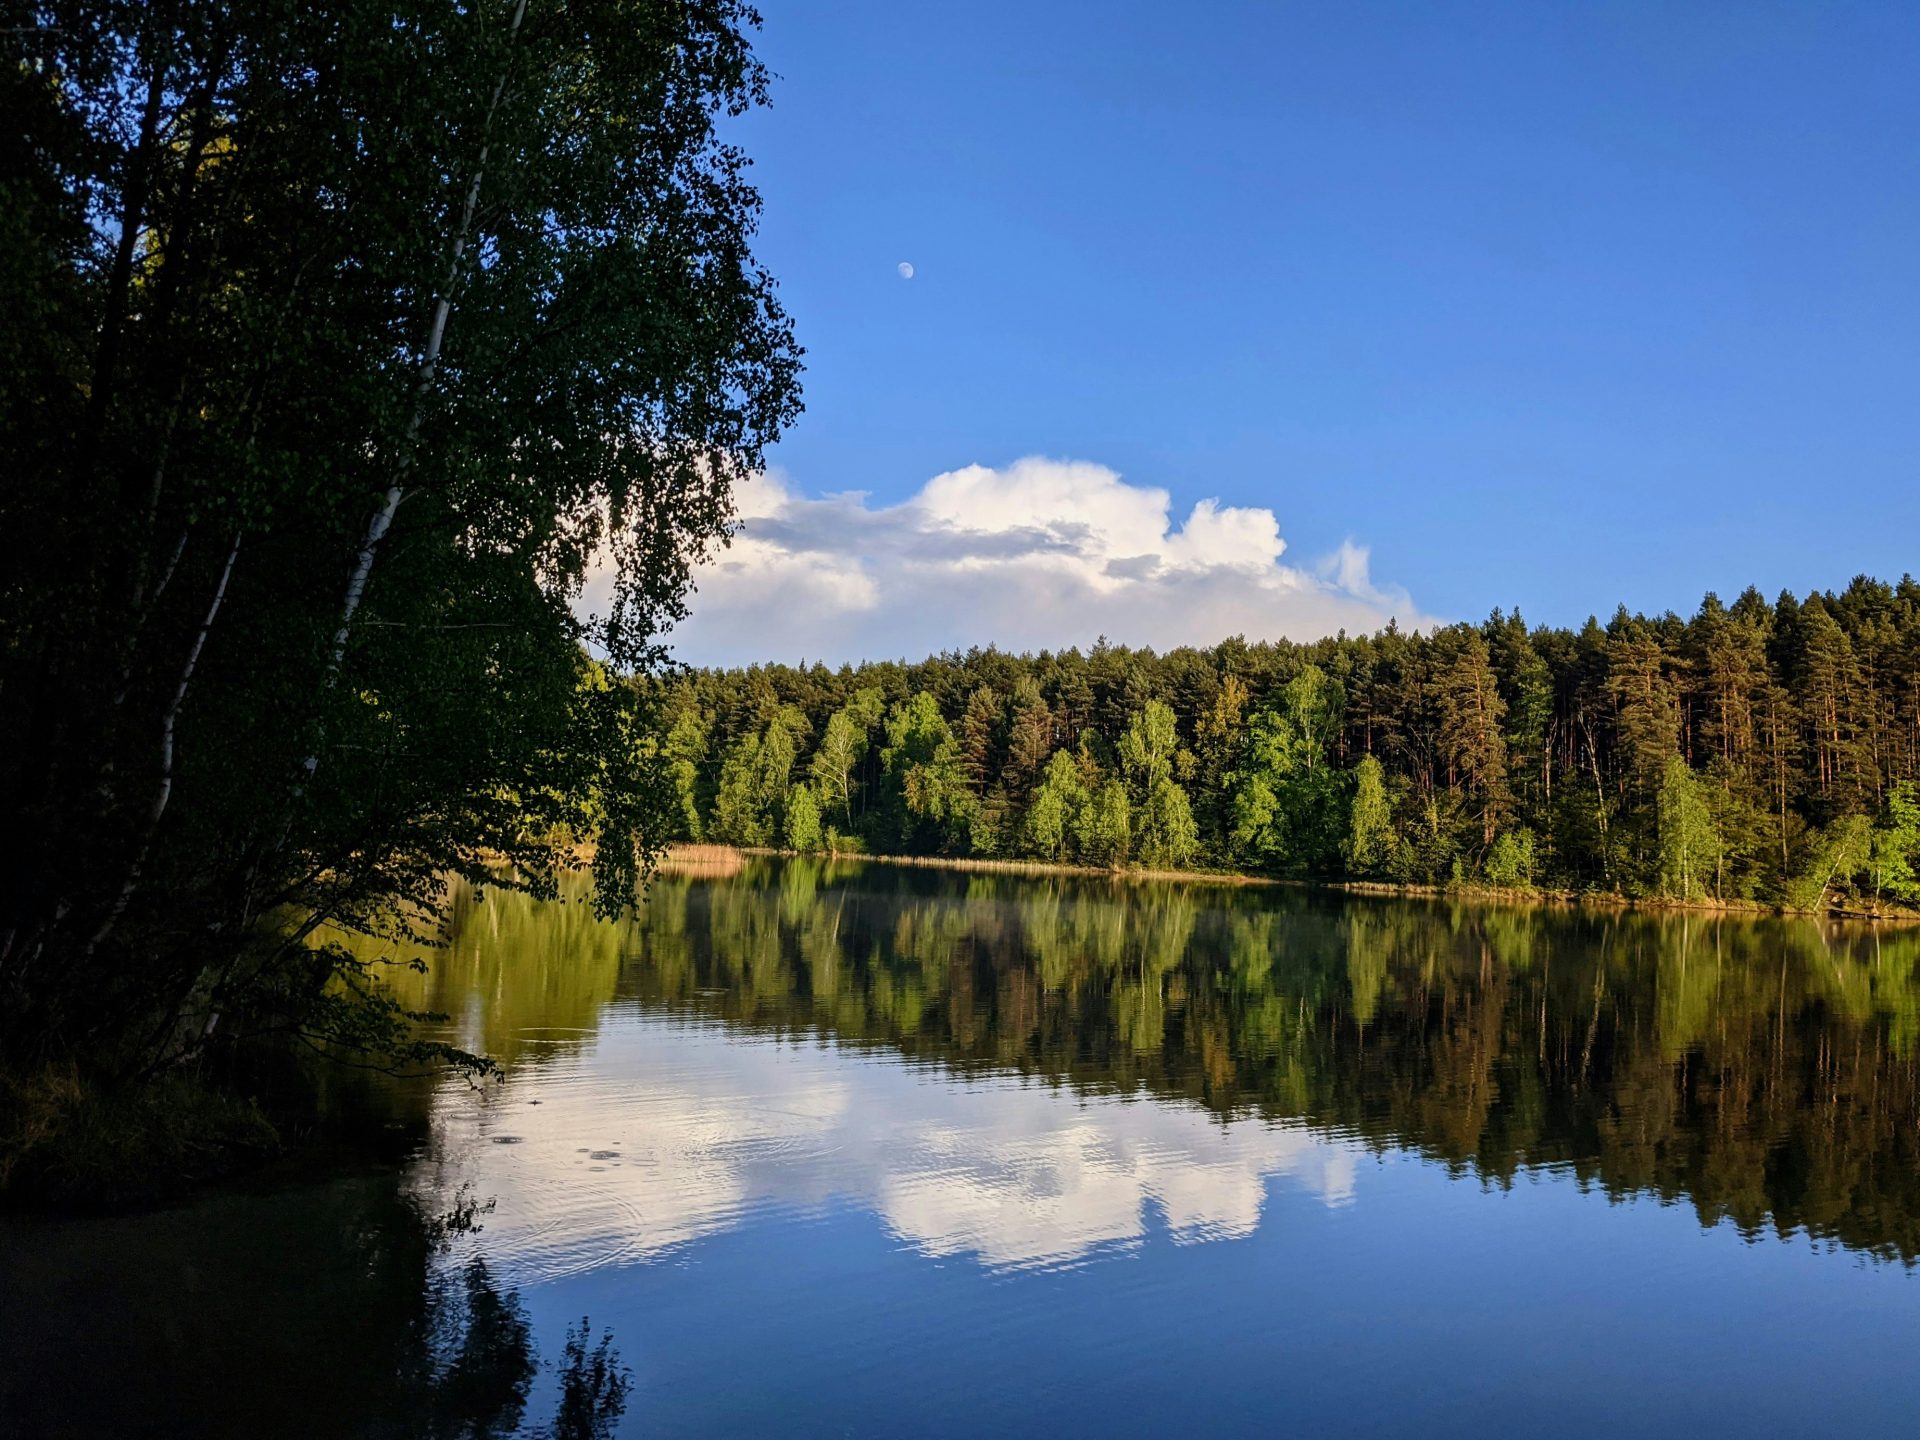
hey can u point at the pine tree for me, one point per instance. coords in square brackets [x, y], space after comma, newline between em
[1030, 738]
[1833, 699]
[1646, 717]
[979, 735]
[1216, 743]
[1470, 712]
[1526, 689]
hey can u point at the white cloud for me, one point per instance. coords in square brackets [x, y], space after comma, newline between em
[1042, 554]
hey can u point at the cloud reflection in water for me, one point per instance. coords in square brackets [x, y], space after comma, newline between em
[667, 1130]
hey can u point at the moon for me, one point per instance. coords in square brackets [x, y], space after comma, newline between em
[905, 267]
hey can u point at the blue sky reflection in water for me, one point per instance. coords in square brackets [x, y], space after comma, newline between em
[797, 1238]
[800, 1172]
[864, 1150]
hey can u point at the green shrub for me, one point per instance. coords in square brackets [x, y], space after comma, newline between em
[1510, 860]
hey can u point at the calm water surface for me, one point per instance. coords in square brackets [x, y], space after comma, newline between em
[871, 1151]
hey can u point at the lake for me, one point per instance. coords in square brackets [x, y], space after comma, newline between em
[833, 1150]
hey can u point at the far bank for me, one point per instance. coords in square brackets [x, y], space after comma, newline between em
[711, 860]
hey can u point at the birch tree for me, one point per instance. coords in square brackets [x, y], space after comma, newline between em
[445, 306]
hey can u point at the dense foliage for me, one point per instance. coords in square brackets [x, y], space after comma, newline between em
[1764, 752]
[346, 341]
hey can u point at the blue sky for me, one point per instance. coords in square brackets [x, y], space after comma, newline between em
[1547, 305]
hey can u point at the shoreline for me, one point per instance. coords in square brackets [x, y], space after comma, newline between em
[713, 860]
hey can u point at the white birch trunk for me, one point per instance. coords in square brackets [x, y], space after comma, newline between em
[382, 519]
[169, 718]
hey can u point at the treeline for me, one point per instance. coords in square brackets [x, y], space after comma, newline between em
[1757, 751]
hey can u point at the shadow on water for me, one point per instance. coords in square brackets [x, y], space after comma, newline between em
[344, 1310]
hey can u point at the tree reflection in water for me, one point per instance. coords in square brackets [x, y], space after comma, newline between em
[1765, 1070]
[327, 1311]
[477, 1364]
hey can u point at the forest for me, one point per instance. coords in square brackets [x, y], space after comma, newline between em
[1754, 752]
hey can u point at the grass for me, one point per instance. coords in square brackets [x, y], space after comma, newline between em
[66, 1143]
